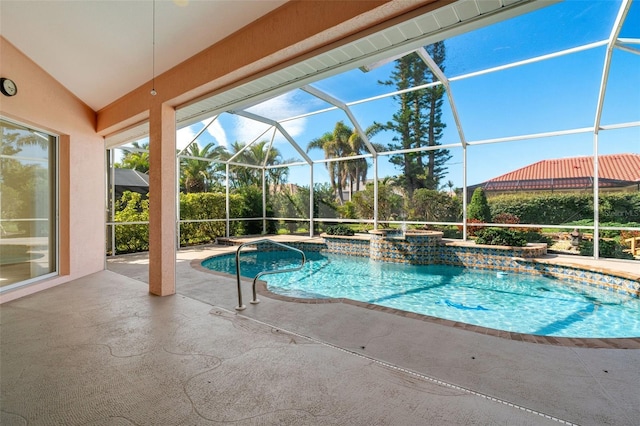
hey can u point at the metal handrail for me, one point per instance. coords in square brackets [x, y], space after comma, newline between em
[255, 300]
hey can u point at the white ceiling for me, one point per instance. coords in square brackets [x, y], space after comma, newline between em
[102, 49]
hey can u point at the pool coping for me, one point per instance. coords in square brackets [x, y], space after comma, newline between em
[574, 342]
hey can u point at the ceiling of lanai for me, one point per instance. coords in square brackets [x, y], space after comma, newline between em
[103, 49]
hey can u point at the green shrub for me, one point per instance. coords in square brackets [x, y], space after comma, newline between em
[478, 208]
[131, 207]
[534, 236]
[434, 206]
[347, 210]
[606, 233]
[252, 207]
[389, 202]
[500, 237]
[339, 230]
[207, 205]
[608, 248]
[449, 231]
[194, 206]
[621, 207]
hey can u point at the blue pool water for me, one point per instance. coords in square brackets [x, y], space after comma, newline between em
[510, 302]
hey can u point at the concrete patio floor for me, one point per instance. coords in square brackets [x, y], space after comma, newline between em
[102, 351]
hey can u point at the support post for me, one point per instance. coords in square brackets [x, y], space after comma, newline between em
[162, 200]
[311, 196]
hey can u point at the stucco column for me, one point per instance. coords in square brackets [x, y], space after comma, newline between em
[162, 200]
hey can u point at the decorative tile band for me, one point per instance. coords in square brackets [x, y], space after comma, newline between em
[347, 247]
[424, 248]
[415, 248]
[427, 247]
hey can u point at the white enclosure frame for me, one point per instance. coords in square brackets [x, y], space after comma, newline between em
[612, 42]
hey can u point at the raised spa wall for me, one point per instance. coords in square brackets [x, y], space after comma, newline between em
[428, 248]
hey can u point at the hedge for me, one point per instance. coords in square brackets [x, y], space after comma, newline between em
[208, 205]
[501, 237]
[552, 209]
[194, 206]
[558, 209]
[131, 207]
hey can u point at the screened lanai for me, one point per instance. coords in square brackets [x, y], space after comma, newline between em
[399, 128]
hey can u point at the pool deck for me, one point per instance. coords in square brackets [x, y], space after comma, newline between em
[100, 350]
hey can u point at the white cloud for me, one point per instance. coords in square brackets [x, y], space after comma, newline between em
[281, 107]
[183, 137]
[217, 132]
[246, 130]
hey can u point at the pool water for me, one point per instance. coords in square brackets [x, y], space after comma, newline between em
[511, 302]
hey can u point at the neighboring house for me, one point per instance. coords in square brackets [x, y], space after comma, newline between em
[616, 172]
[130, 180]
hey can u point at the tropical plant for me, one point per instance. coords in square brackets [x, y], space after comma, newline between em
[335, 144]
[295, 204]
[196, 173]
[344, 142]
[324, 201]
[256, 154]
[135, 159]
[357, 169]
[348, 210]
[450, 187]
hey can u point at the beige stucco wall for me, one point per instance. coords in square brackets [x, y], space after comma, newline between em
[45, 104]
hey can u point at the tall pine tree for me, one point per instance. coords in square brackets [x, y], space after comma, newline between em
[417, 123]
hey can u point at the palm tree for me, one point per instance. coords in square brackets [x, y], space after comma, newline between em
[325, 143]
[358, 168]
[344, 142]
[451, 187]
[257, 154]
[197, 175]
[335, 144]
[269, 156]
[136, 160]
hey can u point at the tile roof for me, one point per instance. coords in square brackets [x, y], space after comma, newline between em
[573, 172]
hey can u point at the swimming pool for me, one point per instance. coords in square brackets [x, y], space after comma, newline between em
[510, 302]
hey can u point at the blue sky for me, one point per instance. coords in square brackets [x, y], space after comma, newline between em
[553, 95]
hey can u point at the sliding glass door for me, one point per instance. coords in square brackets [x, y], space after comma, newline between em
[28, 195]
